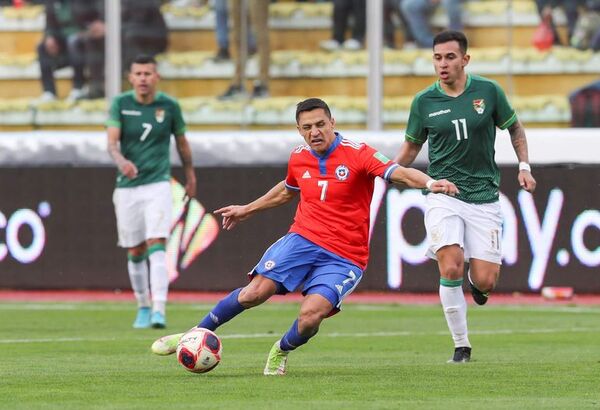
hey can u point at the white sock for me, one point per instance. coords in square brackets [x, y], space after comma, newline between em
[455, 310]
[159, 280]
[138, 275]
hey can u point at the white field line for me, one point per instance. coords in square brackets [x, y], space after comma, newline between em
[329, 335]
[85, 306]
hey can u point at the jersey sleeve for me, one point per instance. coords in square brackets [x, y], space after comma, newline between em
[290, 179]
[375, 163]
[114, 114]
[179, 127]
[505, 115]
[415, 132]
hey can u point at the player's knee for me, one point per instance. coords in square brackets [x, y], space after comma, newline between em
[250, 297]
[452, 270]
[309, 322]
[137, 251]
[486, 284]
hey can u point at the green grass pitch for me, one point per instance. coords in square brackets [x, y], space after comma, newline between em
[87, 356]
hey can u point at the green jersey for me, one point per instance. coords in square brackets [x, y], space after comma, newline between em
[462, 132]
[146, 135]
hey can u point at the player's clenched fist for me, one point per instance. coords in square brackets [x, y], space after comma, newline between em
[442, 186]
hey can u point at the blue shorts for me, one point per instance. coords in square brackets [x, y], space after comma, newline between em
[294, 262]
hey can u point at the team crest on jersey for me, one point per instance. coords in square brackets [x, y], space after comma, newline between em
[270, 264]
[342, 172]
[159, 114]
[479, 106]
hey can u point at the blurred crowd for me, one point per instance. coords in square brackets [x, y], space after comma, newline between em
[74, 34]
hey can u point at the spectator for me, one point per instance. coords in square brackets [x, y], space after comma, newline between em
[342, 11]
[571, 10]
[585, 106]
[74, 36]
[586, 34]
[144, 29]
[259, 16]
[222, 32]
[418, 12]
[391, 10]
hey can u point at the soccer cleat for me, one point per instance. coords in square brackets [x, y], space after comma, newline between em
[461, 355]
[166, 345]
[158, 320]
[276, 361]
[142, 320]
[479, 297]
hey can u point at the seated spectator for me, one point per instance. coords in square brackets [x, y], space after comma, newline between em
[585, 106]
[144, 30]
[571, 10]
[418, 12]
[259, 17]
[74, 36]
[342, 11]
[586, 35]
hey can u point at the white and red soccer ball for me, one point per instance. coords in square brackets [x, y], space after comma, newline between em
[199, 350]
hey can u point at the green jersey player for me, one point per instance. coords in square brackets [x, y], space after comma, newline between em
[139, 134]
[458, 116]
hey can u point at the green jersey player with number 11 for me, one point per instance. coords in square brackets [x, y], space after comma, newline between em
[458, 116]
[139, 135]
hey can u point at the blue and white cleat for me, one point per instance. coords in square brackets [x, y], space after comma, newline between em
[158, 320]
[142, 320]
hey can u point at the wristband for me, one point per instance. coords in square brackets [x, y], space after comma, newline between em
[430, 183]
[524, 166]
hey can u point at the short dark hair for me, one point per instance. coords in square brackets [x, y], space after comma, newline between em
[312, 104]
[452, 35]
[143, 59]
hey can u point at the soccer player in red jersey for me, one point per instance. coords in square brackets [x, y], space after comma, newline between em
[326, 249]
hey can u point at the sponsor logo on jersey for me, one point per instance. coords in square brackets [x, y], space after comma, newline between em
[131, 112]
[306, 175]
[440, 112]
[479, 106]
[159, 114]
[381, 158]
[339, 288]
[342, 172]
[269, 265]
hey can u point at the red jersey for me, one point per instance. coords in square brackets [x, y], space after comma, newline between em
[335, 195]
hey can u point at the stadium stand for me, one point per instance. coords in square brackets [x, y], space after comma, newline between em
[538, 83]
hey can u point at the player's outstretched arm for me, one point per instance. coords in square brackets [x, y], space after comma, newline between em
[126, 167]
[417, 179]
[276, 196]
[407, 154]
[185, 154]
[519, 143]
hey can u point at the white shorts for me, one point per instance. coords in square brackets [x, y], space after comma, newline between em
[143, 212]
[476, 228]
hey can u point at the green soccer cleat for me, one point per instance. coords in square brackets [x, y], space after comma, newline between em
[276, 362]
[142, 320]
[166, 345]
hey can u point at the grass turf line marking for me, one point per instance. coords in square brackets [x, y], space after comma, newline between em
[330, 335]
[125, 306]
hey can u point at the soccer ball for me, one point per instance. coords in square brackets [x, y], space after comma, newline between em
[199, 350]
